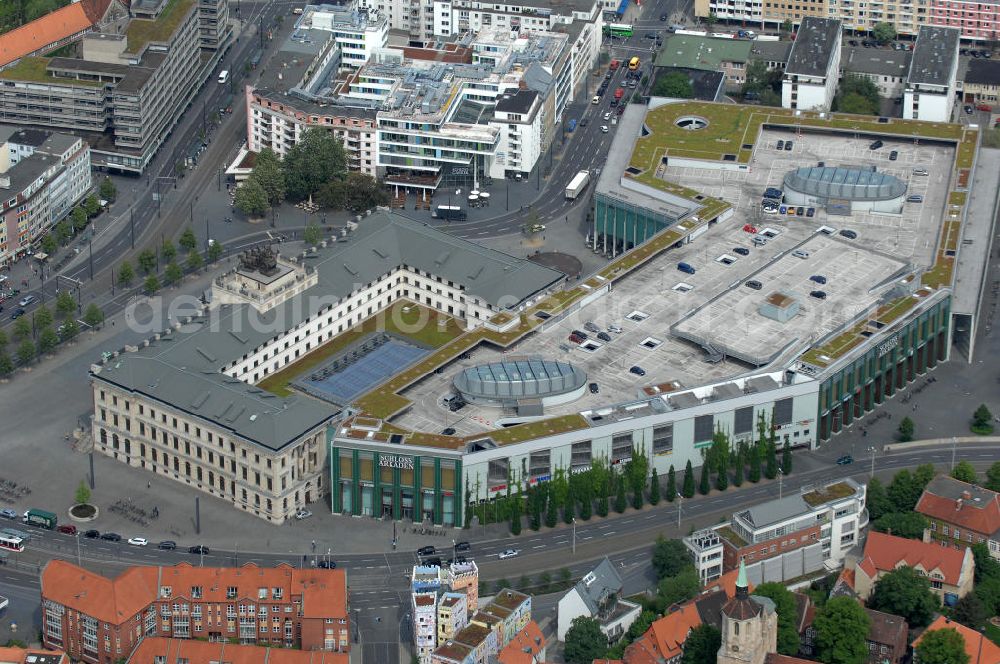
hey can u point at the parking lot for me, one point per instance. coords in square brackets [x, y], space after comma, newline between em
[648, 303]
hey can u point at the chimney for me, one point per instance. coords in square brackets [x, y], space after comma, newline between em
[958, 504]
[966, 495]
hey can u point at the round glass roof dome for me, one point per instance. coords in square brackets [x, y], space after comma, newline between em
[853, 184]
[519, 379]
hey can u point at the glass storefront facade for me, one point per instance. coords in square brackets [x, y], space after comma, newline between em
[862, 385]
[397, 486]
[627, 226]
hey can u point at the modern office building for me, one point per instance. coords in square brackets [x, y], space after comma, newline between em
[784, 538]
[930, 92]
[813, 68]
[135, 75]
[42, 176]
[96, 619]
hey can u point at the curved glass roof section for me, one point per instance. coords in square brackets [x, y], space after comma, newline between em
[854, 184]
[519, 379]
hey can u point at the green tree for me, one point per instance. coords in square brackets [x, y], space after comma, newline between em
[22, 328]
[964, 472]
[172, 274]
[675, 84]
[151, 284]
[214, 251]
[902, 524]
[905, 593]
[47, 339]
[654, 488]
[544, 582]
[982, 421]
[986, 566]
[993, 477]
[841, 628]
[857, 94]
[82, 496]
[722, 478]
[672, 483]
[621, 502]
[515, 518]
[877, 500]
[970, 611]
[705, 485]
[787, 26]
[64, 230]
[69, 329]
[312, 234]
[107, 190]
[903, 492]
[670, 557]
[754, 475]
[738, 466]
[188, 241]
[268, 173]
[26, 351]
[49, 244]
[856, 103]
[942, 646]
[79, 218]
[906, 430]
[711, 19]
[702, 645]
[551, 513]
[42, 317]
[251, 199]
[641, 624]
[679, 588]
[884, 32]
[3, 339]
[194, 260]
[786, 459]
[37, 8]
[771, 460]
[6, 364]
[167, 250]
[92, 315]
[363, 192]
[687, 489]
[125, 274]
[147, 261]
[65, 304]
[585, 641]
[317, 158]
[784, 602]
[332, 196]
[92, 206]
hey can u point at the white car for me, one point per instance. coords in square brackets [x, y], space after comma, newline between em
[138, 541]
[604, 129]
[607, 116]
[303, 514]
[509, 553]
[921, 171]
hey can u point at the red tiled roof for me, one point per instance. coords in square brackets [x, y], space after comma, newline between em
[981, 650]
[20, 655]
[205, 652]
[323, 592]
[50, 29]
[981, 517]
[886, 552]
[847, 577]
[727, 582]
[665, 637]
[524, 646]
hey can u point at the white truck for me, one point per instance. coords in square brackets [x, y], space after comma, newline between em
[577, 184]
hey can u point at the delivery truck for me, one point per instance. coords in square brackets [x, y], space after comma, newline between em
[36, 517]
[577, 184]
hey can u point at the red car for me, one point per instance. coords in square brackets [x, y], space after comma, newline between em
[575, 339]
[749, 228]
[67, 529]
[984, 107]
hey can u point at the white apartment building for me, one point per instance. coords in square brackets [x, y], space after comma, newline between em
[357, 32]
[424, 611]
[519, 118]
[886, 69]
[931, 85]
[813, 69]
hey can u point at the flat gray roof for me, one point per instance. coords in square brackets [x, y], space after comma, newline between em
[814, 46]
[775, 511]
[877, 61]
[982, 72]
[934, 55]
[770, 51]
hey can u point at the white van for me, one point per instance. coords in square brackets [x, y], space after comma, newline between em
[223, 76]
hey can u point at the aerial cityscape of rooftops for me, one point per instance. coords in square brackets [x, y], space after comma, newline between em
[586, 331]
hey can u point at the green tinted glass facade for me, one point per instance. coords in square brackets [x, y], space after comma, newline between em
[862, 385]
[630, 225]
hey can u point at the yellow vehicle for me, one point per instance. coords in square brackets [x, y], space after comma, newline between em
[633, 64]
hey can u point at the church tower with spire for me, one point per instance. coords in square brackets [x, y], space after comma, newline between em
[749, 626]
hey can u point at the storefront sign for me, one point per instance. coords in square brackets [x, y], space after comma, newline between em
[395, 461]
[539, 479]
[499, 487]
[888, 346]
[622, 460]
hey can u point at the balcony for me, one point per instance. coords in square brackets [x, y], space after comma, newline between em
[863, 519]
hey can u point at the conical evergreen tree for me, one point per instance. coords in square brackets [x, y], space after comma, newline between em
[551, 513]
[671, 484]
[754, 452]
[654, 488]
[621, 502]
[705, 485]
[738, 467]
[786, 459]
[687, 490]
[771, 469]
[722, 479]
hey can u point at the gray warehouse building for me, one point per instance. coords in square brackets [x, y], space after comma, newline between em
[845, 190]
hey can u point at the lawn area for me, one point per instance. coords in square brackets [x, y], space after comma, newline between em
[967, 150]
[418, 323]
[548, 427]
[730, 535]
[827, 493]
[141, 31]
[956, 198]
[35, 69]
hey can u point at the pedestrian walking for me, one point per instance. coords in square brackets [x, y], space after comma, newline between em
[148, 484]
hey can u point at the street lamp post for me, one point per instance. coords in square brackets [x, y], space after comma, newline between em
[954, 442]
[872, 472]
[574, 536]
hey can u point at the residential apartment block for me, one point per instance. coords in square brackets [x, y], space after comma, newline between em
[137, 72]
[442, 600]
[931, 83]
[976, 20]
[489, 631]
[961, 514]
[949, 570]
[787, 537]
[981, 83]
[886, 69]
[96, 619]
[158, 650]
[813, 68]
[42, 176]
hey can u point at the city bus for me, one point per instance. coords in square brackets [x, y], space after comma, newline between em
[617, 30]
[633, 64]
[11, 543]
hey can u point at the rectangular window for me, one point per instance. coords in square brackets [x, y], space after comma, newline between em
[539, 463]
[743, 421]
[621, 446]
[663, 439]
[783, 411]
[704, 428]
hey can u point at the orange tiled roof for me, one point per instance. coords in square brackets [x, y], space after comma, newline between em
[665, 637]
[524, 646]
[982, 516]
[981, 650]
[324, 592]
[49, 29]
[205, 652]
[847, 577]
[20, 655]
[885, 552]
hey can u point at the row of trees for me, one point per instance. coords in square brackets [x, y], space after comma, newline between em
[36, 335]
[149, 260]
[315, 167]
[78, 218]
